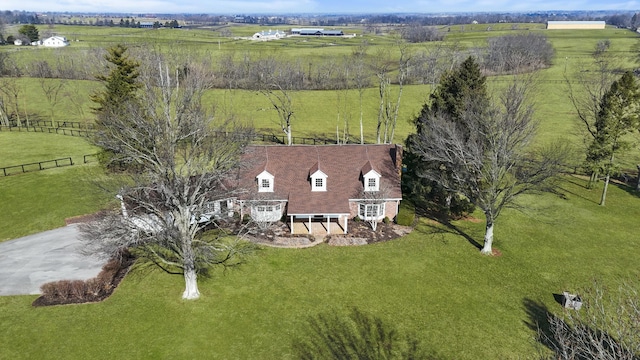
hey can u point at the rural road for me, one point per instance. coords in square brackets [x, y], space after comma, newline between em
[30, 261]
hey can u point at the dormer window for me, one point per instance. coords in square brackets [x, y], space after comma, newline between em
[370, 178]
[318, 180]
[371, 181]
[265, 182]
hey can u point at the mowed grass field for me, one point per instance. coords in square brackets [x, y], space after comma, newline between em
[432, 283]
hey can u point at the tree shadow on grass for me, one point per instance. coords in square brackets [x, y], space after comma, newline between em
[355, 335]
[628, 187]
[575, 181]
[443, 226]
[538, 321]
[572, 336]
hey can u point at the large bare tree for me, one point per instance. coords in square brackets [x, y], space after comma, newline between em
[277, 82]
[486, 156]
[587, 83]
[383, 65]
[607, 326]
[181, 162]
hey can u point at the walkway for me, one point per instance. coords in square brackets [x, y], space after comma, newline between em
[28, 262]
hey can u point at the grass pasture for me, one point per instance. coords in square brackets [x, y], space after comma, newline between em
[432, 283]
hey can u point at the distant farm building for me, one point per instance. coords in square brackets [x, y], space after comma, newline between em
[575, 25]
[54, 41]
[269, 35]
[146, 25]
[316, 32]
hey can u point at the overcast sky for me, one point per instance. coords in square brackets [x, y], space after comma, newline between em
[312, 6]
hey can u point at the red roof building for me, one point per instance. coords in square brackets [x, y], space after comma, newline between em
[326, 184]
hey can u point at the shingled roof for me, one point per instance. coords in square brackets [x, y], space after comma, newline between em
[344, 166]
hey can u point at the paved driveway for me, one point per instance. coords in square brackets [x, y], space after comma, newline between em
[28, 262]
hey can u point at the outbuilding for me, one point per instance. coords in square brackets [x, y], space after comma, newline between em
[575, 25]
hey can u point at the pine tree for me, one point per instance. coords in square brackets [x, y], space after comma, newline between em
[118, 97]
[458, 90]
[618, 117]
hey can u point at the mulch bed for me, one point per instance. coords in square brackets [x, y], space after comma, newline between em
[126, 264]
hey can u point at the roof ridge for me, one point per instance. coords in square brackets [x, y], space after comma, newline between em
[266, 163]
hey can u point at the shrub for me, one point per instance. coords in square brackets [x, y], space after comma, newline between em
[357, 219]
[94, 286]
[49, 290]
[386, 220]
[406, 215]
[64, 288]
[78, 289]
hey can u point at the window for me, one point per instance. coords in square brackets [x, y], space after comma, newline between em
[371, 211]
[266, 212]
[371, 181]
[265, 182]
[318, 182]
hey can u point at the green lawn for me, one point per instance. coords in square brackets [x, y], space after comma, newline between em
[432, 283]
[27, 147]
[42, 200]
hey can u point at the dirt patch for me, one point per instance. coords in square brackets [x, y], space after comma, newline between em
[84, 218]
[472, 219]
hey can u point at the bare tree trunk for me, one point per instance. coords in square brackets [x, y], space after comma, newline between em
[191, 285]
[592, 179]
[603, 198]
[638, 182]
[4, 119]
[488, 236]
[288, 132]
[362, 129]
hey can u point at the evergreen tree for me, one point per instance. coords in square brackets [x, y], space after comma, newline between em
[30, 31]
[618, 117]
[119, 95]
[458, 91]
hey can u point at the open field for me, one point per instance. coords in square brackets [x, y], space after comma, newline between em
[432, 283]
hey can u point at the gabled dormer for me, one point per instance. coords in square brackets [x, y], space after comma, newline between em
[370, 178]
[318, 179]
[265, 181]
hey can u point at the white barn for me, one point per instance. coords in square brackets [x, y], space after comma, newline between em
[55, 41]
[269, 35]
[575, 25]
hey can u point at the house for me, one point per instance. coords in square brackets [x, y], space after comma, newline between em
[575, 25]
[269, 35]
[321, 186]
[54, 41]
